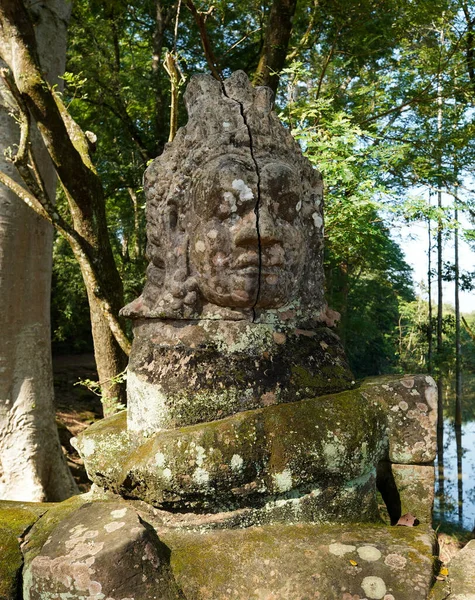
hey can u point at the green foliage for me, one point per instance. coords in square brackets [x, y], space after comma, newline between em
[96, 388]
[70, 321]
[366, 273]
[413, 340]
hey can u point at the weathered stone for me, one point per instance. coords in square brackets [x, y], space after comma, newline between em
[42, 528]
[296, 461]
[415, 485]
[225, 367]
[286, 562]
[105, 451]
[286, 451]
[232, 316]
[232, 434]
[15, 519]
[101, 550]
[459, 584]
[411, 403]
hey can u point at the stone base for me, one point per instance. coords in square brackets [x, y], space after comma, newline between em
[458, 581]
[312, 460]
[186, 372]
[117, 549]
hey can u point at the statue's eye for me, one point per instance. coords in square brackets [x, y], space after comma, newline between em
[172, 217]
[288, 206]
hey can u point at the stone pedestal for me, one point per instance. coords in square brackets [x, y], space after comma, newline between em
[314, 460]
[187, 372]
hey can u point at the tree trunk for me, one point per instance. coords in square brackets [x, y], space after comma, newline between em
[32, 465]
[440, 382]
[458, 346]
[429, 291]
[276, 43]
[68, 148]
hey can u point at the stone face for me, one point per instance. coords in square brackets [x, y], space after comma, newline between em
[232, 316]
[234, 214]
[101, 550]
[245, 429]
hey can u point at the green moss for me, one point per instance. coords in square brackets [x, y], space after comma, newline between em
[283, 559]
[10, 564]
[15, 519]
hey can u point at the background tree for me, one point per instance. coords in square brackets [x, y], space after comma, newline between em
[69, 150]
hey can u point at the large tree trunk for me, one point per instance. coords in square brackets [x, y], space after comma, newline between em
[69, 150]
[32, 465]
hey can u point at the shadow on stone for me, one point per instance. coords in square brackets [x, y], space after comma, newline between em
[387, 488]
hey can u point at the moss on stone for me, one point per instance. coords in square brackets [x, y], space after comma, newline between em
[281, 451]
[287, 561]
[43, 527]
[15, 519]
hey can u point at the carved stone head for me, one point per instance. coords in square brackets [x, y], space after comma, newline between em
[234, 214]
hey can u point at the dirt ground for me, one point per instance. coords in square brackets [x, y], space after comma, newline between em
[76, 406]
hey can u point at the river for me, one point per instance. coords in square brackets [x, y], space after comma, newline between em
[455, 467]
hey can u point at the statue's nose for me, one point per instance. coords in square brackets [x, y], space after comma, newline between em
[251, 231]
[267, 227]
[246, 231]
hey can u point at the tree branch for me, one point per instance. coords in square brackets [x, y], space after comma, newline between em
[80, 248]
[200, 19]
[468, 329]
[68, 148]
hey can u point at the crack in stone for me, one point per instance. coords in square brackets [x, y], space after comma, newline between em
[257, 205]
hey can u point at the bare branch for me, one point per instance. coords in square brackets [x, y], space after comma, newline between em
[468, 329]
[172, 68]
[200, 19]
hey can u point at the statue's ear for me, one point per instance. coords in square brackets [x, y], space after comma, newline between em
[200, 88]
[263, 99]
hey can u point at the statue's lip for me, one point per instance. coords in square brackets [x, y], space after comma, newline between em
[262, 269]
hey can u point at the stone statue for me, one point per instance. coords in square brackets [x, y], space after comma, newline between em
[233, 312]
[248, 463]
[234, 214]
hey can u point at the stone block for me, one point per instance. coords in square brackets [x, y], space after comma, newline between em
[459, 584]
[289, 562]
[411, 403]
[185, 373]
[112, 549]
[101, 550]
[415, 485]
[318, 450]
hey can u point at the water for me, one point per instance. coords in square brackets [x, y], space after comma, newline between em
[455, 474]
